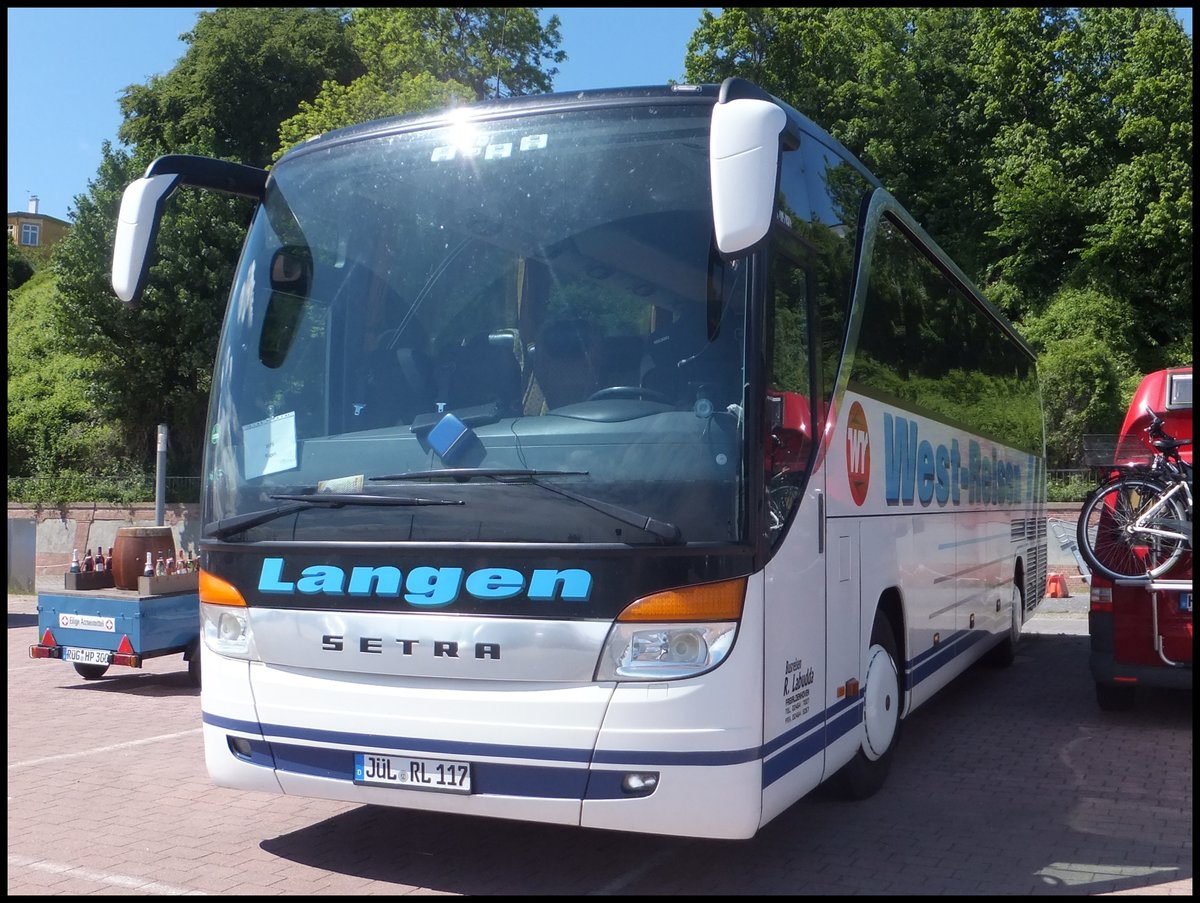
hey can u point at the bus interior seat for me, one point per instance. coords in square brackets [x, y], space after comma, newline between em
[562, 362]
[397, 383]
[483, 370]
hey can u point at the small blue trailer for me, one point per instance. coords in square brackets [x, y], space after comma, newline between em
[94, 630]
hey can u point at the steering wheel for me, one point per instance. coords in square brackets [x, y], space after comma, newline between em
[630, 392]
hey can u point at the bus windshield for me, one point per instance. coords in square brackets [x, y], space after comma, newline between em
[534, 301]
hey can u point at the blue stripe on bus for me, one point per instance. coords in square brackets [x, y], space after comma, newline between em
[929, 662]
[843, 717]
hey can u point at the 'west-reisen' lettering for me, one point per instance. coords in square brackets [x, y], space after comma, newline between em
[428, 587]
[917, 470]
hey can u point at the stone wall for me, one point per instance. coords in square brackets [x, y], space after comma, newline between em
[83, 526]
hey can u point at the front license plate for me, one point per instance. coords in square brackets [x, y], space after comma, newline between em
[1185, 601]
[416, 774]
[86, 656]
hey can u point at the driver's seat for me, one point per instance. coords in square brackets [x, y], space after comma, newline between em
[564, 362]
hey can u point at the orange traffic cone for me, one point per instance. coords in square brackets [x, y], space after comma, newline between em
[1056, 587]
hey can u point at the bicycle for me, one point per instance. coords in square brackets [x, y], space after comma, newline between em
[1138, 523]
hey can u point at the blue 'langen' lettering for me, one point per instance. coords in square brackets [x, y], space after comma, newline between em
[428, 587]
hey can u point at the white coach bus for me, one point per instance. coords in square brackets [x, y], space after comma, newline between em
[625, 459]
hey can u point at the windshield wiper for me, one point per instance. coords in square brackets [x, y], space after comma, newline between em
[662, 529]
[230, 525]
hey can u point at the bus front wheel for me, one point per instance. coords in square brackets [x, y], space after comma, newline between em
[863, 775]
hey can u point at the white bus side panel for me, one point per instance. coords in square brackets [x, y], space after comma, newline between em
[950, 556]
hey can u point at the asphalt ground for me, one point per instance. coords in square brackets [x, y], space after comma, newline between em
[1011, 782]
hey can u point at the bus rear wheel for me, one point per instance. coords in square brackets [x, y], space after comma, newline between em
[863, 775]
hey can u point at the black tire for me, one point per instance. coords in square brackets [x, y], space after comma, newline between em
[1115, 697]
[193, 663]
[1004, 654]
[1103, 538]
[865, 774]
[90, 672]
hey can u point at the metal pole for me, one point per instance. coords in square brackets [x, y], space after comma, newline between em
[160, 477]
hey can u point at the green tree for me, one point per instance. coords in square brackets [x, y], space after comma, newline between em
[428, 57]
[52, 423]
[365, 99]
[1048, 150]
[245, 70]
[20, 267]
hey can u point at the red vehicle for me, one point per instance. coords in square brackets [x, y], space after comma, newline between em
[1141, 628]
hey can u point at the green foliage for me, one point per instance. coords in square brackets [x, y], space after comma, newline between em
[152, 364]
[430, 57]
[53, 425]
[365, 99]
[1048, 150]
[495, 51]
[245, 70]
[1081, 393]
[20, 267]
[1068, 488]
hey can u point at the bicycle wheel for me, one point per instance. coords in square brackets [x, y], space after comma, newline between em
[1110, 539]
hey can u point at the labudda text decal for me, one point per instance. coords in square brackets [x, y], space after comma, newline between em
[427, 587]
[918, 470]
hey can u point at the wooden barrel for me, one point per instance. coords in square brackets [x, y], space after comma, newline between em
[130, 548]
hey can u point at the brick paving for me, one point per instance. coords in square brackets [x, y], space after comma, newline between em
[1012, 782]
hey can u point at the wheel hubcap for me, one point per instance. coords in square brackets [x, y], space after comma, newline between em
[881, 703]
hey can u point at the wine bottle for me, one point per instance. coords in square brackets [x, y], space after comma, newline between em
[89, 563]
[148, 570]
[99, 559]
[74, 561]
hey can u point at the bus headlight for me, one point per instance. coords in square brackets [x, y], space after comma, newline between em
[227, 630]
[674, 633]
[664, 651]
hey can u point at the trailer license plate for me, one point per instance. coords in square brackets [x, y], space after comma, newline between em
[416, 774]
[86, 656]
[1185, 601]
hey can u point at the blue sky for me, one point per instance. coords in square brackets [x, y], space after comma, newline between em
[68, 67]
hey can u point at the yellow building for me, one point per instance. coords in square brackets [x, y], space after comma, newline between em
[36, 230]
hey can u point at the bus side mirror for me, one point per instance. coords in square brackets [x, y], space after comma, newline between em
[744, 150]
[137, 226]
[291, 282]
[142, 207]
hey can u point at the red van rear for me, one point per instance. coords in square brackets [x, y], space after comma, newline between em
[1141, 629]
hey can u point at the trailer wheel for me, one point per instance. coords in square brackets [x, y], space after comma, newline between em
[193, 663]
[90, 672]
[863, 775]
